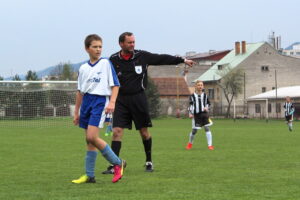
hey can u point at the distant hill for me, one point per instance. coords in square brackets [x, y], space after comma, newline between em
[48, 71]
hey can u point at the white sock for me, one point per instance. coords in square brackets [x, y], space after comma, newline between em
[209, 138]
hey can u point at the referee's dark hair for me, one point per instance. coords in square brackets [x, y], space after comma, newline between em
[123, 35]
[90, 38]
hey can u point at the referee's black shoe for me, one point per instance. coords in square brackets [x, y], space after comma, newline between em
[149, 167]
[109, 170]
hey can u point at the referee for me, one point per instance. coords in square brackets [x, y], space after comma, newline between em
[131, 105]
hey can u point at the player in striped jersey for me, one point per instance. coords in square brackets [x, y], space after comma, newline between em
[198, 111]
[98, 87]
[289, 111]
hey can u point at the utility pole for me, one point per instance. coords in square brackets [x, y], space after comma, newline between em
[244, 93]
[177, 93]
[276, 93]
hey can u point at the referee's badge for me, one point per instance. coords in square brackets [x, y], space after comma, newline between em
[138, 69]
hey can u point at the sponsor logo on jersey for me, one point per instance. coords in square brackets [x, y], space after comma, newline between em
[94, 80]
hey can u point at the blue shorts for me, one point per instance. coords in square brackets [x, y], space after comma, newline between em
[92, 111]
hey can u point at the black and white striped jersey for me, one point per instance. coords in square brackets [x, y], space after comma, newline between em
[289, 108]
[198, 102]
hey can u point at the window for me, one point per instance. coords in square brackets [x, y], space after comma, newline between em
[269, 108]
[263, 89]
[278, 107]
[211, 93]
[264, 68]
[257, 108]
[297, 53]
[291, 53]
[220, 67]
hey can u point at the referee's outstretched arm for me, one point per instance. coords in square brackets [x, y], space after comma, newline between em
[165, 59]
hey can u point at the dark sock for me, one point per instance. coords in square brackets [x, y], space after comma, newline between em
[116, 147]
[147, 147]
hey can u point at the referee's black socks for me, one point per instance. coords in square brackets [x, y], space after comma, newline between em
[116, 146]
[147, 147]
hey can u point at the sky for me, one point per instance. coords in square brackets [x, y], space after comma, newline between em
[36, 34]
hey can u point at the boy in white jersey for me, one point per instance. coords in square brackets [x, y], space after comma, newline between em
[198, 111]
[289, 111]
[97, 81]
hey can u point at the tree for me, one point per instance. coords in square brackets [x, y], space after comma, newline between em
[231, 83]
[16, 78]
[1, 78]
[31, 76]
[63, 71]
[153, 98]
[66, 72]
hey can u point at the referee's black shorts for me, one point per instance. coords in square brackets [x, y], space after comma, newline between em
[132, 108]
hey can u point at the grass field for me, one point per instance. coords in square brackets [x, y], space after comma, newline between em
[252, 160]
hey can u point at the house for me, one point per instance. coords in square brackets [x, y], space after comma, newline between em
[208, 58]
[203, 62]
[292, 50]
[174, 93]
[263, 67]
[270, 104]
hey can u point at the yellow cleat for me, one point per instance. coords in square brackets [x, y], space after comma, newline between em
[210, 122]
[84, 179]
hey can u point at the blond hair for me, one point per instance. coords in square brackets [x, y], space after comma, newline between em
[198, 81]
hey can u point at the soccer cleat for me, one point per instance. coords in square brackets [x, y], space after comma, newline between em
[107, 134]
[84, 179]
[118, 169]
[109, 170]
[189, 146]
[149, 167]
[290, 128]
[211, 147]
[210, 122]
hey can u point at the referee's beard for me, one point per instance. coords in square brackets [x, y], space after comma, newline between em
[126, 51]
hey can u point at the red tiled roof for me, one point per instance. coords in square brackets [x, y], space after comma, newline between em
[168, 86]
[215, 55]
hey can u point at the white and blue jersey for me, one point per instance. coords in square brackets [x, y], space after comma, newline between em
[95, 82]
[97, 78]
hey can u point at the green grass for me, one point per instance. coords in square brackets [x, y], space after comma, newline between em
[252, 160]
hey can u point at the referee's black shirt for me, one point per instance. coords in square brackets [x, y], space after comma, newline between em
[132, 73]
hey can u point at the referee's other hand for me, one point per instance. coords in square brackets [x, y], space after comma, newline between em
[190, 63]
[110, 108]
